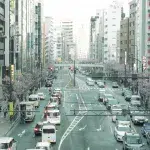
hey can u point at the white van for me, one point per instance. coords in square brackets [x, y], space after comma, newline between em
[49, 133]
[135, 100]
[35, 98]
[53, 116]
[8, 143]
[90, 82]
[43, 145]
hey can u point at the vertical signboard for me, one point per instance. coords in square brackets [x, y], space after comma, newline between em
[11, 108]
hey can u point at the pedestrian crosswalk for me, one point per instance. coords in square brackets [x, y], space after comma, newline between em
[97, 88]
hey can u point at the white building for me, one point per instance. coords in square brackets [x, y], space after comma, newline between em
[112, 17]
[142, 39]
[67, 33]
[58, 44]
[49, 40]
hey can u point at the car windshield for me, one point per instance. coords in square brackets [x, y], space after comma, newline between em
[112, 102]
[123, 128]
[40, 94]
[134, 140]
[136, 98]
[32, 99]
[109, 96]
[147, 127]
[123, 118]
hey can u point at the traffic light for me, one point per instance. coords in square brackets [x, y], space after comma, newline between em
[12, 72]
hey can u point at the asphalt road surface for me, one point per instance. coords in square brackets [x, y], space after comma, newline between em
[76, 132]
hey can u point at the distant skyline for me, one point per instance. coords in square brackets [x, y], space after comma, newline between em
[80, 12]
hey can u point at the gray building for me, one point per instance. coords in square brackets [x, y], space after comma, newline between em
[132, 23]
[124, 39]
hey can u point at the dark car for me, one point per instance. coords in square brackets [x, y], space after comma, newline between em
[38, 128]
[145, 129]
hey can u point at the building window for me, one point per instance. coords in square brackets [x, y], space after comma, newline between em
[120, 42]
[121, 34]
[1, 57]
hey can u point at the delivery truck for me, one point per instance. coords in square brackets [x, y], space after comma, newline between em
[27, 111]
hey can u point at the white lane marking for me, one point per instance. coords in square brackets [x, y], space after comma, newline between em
[64, 98]
[22, 133]
[73, 124]
[67, 83]
[99, 129]
[134, 128]
[88, 148]
[111, 129]
[72, 105]
[83, 128]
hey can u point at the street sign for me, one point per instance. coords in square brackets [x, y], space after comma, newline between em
[144, 63]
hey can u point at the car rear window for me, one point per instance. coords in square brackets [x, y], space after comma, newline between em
[38, 126]
[42, 147]
[48, 131]
[3, 145]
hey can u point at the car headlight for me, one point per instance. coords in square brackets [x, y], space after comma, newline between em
[146, 119]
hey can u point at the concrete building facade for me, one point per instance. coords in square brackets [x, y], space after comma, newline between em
[124, 39]
[68, 38]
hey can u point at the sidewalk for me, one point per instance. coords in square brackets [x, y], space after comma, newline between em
[5, 124]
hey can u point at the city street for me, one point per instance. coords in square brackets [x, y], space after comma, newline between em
[85, 132]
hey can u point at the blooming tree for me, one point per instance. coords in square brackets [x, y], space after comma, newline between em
[17, 89]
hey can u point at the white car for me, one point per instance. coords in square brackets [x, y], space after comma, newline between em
[43, 145]
[41, 96]
[120, 131]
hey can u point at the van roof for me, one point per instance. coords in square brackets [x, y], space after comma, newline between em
[5, 139]
[33, 95]
[26, 103]
[55, 110]
[50, 126]
[35, 149]
[43, 144]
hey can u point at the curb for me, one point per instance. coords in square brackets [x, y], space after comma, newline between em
[12, 127]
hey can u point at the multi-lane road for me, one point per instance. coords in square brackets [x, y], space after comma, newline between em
[76, 132]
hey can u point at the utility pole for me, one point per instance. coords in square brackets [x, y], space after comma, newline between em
[74, 74]
[125, 69]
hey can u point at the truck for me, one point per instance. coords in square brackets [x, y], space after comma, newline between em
[27, 111]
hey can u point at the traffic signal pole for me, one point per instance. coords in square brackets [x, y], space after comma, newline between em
[74, 74]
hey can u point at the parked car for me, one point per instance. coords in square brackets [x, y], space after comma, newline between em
[120, 131]
[139, 118]
[132, 140]
[145, 129]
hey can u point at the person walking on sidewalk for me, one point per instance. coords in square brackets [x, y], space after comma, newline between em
[5, 113]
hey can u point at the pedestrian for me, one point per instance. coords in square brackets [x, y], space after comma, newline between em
[5, 112]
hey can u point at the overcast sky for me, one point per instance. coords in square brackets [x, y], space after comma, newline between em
[78, 10]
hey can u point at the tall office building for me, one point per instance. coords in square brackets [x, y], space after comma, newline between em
[112, 17]
[49, 40]
[67, 33]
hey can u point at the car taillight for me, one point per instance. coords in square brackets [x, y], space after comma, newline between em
[9, 148]
[36, 129]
